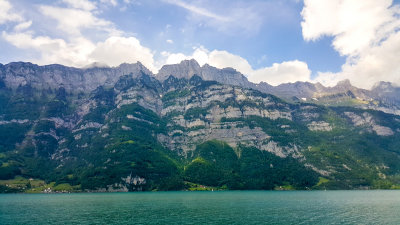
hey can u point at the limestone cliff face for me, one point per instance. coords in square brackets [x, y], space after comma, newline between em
[367, 121]
[125, 128]
[214, 112]
[382, 97]
[72, 79]
[197, 103]
[187, 68]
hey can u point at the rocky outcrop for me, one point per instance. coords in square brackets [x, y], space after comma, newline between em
[319, 126]
[188, 68]
[366, 120]
[129, 183]
[232, 133]
[88, 126]
[383, 96]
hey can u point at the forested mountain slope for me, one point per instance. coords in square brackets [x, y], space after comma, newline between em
[125, 129]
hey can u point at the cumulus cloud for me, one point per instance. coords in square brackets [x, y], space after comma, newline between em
[72, 48]
[366, 32]
[81, 4]
[7, 14]
[77, 20]
[81, 52]
[222, 59]
[116, 50]
[285, 72]
[53, 50]
[278, 73]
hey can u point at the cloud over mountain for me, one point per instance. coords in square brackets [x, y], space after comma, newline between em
[366, 32]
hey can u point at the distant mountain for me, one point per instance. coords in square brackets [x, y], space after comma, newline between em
[189, 127]
[387, 93]
[343, 94]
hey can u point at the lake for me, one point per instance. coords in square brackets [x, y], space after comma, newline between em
[225, 207]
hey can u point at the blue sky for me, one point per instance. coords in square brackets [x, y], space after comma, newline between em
[275, 41]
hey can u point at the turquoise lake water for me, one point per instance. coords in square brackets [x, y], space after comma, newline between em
[228, 207]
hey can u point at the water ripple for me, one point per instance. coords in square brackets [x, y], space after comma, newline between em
[230, 207]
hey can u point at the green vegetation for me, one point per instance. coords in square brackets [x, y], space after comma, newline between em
[173, 95]
[198, 187]
[216, 164]
[195, 113]
[118, 147]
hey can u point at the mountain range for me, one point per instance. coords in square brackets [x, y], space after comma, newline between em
[190, 127]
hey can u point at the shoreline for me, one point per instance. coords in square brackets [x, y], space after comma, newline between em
[109, 192]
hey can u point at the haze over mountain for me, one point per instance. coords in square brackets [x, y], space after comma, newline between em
[189, 126]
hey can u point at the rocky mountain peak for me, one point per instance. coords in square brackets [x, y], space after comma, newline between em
[133, 68]
[185, 69]
[387, 92]
[190, 63]
[19, 74]
[225, 76]
[344, 84]
[383, 86]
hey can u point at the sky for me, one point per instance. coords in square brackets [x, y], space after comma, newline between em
[273, 41]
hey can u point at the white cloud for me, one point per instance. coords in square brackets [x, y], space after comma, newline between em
[225, 16]
[81, 4]
[23, 25]
[77, 20]
[278, 73]
[81, 52]
[172, 58]
[290, 71]
[169, 41]
[353, 23]
[285, 72]
[379, 63]
[53, 50]
[366, 32]
[72, 48]
[200, 54]
[198, 10]
[7, 14]
[116, 50]
[222, 59]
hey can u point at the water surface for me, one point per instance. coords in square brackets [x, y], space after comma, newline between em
[229, 207]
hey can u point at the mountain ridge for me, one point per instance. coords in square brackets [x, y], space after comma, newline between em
[135, 132]
[88, 79]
